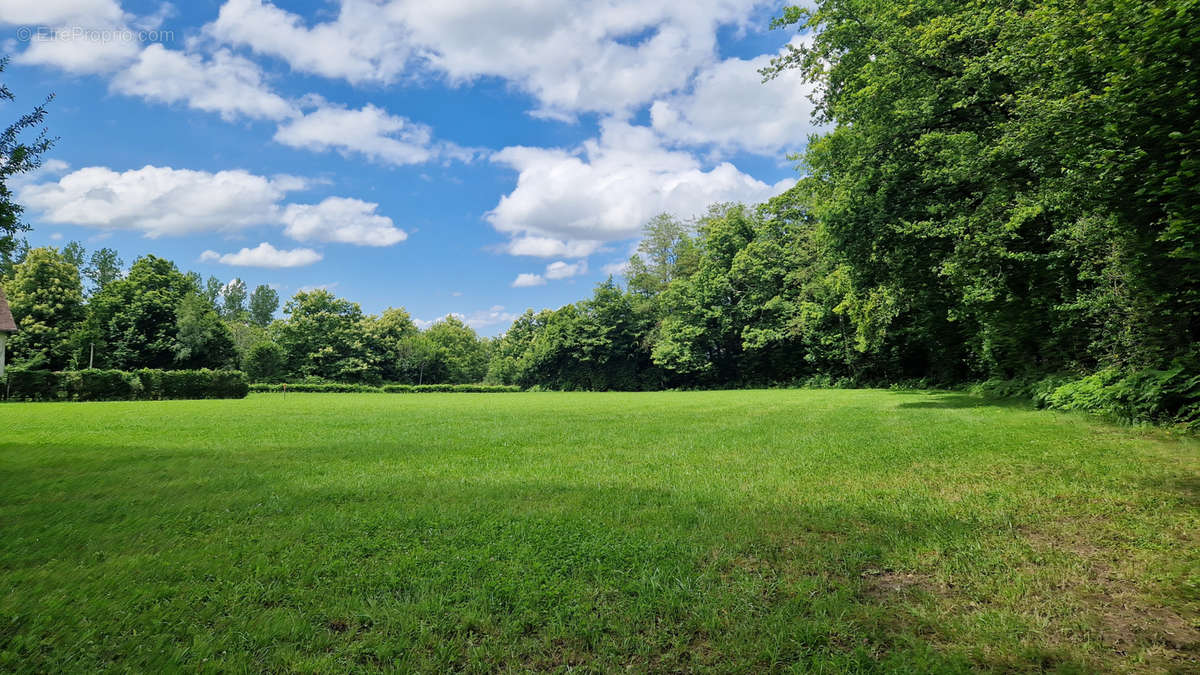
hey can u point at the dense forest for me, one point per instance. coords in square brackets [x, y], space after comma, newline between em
[1006, 192]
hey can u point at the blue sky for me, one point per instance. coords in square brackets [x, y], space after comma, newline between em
[467, 157]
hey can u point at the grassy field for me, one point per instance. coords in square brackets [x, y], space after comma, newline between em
[726, 531]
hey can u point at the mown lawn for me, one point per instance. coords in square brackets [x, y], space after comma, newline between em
[724, 531]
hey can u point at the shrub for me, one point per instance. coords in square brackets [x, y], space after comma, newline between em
[116, 385]
[398, 388]
[32, 385]
[265, 362]
[101, 385]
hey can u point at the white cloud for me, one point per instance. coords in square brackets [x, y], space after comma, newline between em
[546, 247]
[571, 55]
[361, 44]
[478, 320]
[159, 200]
[616, 269]
[61, 12]
[264, 255]
[563, 270]
[525, 280]
[369, 131]
[223, 83]
[731, 108]
[339, 219]
[608, 189]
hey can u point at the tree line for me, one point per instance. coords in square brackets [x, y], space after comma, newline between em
[155, 316]
[1003, 190]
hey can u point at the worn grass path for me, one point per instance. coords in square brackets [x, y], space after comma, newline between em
[724, 531]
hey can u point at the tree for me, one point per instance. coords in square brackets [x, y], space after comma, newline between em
[667, 251]
[137, 315]
[233, 299]
[74, 253]
[46, 299]
[104, 267]
[19, 157]
[264, 302]
[202, 340]
[416, 354]
[212, 293]
[265, 362]
[384, 334]
[323, 336]
[461, 357]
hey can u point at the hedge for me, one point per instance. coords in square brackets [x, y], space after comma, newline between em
[1170, 396]
[337, 388]
[117, 385]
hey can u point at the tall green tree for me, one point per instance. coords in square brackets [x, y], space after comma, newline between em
[20, 156]
[461, 356]
[323, 336]
[233, 299]
[264, 302]
[103, 268]
[46, 299]
[137, 316]
[202, 340]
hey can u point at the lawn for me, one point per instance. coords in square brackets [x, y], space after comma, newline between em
[726, 531]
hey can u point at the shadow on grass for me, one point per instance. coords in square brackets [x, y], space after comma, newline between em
[957, 401]
[458, 574]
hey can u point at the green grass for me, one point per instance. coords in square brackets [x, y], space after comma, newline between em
[726, 531]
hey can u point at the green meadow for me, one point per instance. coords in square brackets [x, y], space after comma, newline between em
[780, 530]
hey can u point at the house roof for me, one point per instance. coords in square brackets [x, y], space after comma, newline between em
[7, 325]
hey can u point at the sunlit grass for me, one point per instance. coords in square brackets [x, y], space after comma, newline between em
[789, 530]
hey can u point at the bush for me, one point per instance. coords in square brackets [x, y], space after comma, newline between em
[265, 362]
[315, 388]
[342, 388]
[1170, 396]
[32, 385]
[101, 385]
[116, 385]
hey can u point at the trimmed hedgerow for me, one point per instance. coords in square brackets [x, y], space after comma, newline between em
[336, 388]
[117, 385]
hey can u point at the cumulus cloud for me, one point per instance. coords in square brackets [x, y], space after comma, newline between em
[264, 255]
[61, 12]
[547, 247]
[223, 83]
[339, 219]
[370, 131]
[525, 280]
[564, 270]
[362, 44]
[479, 320]
[617, 269]
[609, 188]
[159, 200]
[730, 107]
[78, 36]
[571, 55]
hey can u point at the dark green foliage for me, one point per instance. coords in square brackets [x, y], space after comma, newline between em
[101, 385]
[265, 362]
[116, 385]
[137, 316]
[344, 388]
[201, 338]
[32, 385]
